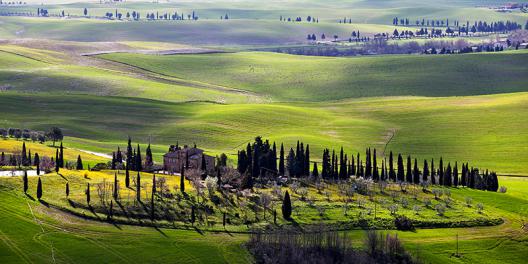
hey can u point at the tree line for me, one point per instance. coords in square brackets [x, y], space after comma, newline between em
[260, 159]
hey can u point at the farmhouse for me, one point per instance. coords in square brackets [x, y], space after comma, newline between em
[191, 158]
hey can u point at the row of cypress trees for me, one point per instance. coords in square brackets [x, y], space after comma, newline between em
[261, 157]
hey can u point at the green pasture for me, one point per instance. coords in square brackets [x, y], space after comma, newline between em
[304, 78]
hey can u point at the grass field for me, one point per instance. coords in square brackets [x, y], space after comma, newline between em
[294, 78]
[453, 127]
[466, 108]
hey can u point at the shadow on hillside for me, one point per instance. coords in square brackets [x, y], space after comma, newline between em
[30, 197]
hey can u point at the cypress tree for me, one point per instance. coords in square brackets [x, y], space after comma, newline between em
[408, 176]
[67, 189]
[315, 172]
[57, 161]
[307, 160]
[401, 170]
[392, 174]
[463, 180]
[182, 179]
[425, 176]
[127, 176]
[352, 170]
[281, 160]
[358, 165]
[37, 163]
[80, 164]
[441, 172]
[224, 219]
[139, 166]
[368, 164]
[455, 175]
[433, 172]
[149, 161]
[286, 206]
[416, 172]
[29, 158]
[383, 175]
[116, 186]
[113, 160]
[153, 183]
[375, 175]
[274, 157]
[39, 189]
[24, 155]
[61, 156]
[25, 179]
[88, 194]
[447, 176]
[138, 187]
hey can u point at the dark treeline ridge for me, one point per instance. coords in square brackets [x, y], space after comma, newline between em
[476, 26]
[326, 247]
[260, 160]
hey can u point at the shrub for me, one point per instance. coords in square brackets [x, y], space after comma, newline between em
[417, 209]
[440, 209]
[480, 208]
[393, 209]
[469, 201]
[437, 193]
[100, 167]
[428, 203]
[448, 202]
[404, 202]
[503, 189]
[402, 222]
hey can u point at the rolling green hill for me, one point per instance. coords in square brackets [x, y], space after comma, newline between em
[304, 78]
[488, 131]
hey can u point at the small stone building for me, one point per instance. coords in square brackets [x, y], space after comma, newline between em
[178, 157]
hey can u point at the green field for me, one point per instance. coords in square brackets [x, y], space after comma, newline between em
[464, 108]
[300, 78]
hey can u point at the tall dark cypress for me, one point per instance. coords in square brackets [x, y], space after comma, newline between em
[408, 175]
[401, 170]
[352, 170]
[57, 162]
[383, 175]
[307, 160]
[61, 156]
[37, 163]
[249, 153]
[79, 163]
[425, 176]
[24, 154]
[87, 192]
[375, 174]
[286, 206]
[455, 175]
[358, 165]
[127, 176]
[416, 172]
[281, 160]
[392, 174]
[182, 179]
[39, 189]
[315, 173]
[441, 172]
[25, 180]
[433, 172]
[274, 157]
[129, 154]
[139, 165]
[116, 187]
[447, 175]
[368, 164]
[29, 158]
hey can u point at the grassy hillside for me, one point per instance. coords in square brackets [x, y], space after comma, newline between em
[304, 78]
[59, 238]
[488, 131]
[378, 12]
[30, 70]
